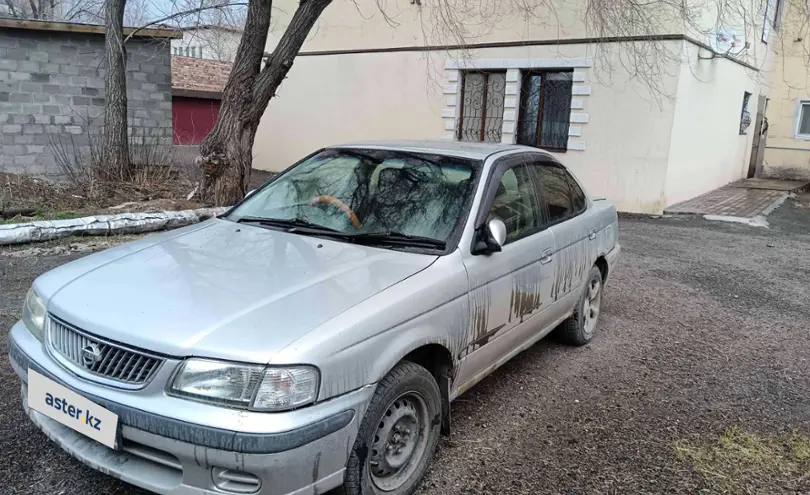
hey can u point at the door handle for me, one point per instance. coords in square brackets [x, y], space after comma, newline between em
[592, 234]
[546, 258]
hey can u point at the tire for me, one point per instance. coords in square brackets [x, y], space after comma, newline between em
[580, 328]
[406, 392]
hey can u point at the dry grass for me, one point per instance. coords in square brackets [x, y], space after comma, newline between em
[23, 191]
[50, 200]
[745, 463]
[42, 215]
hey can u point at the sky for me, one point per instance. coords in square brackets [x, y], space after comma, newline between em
[140, 12]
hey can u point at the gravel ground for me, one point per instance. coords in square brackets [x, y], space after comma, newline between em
[705, 328]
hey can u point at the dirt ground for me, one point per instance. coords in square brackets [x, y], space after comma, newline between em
[697, 382]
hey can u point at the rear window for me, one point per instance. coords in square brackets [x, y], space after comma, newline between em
[577, 196]
[555, 191]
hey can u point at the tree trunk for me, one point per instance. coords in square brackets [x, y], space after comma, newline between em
[226, 153]
[115, 148]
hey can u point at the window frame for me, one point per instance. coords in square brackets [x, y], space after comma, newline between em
[797, 119]
[569, 179]
[773, 8]
[496, 172]
[572, 181]
[460, 117]
[777, 14]
[524, 74]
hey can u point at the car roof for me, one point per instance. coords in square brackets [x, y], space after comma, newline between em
[476, 151]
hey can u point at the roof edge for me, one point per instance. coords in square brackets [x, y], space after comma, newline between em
[202, 27]
[196, 93]
[73, 27]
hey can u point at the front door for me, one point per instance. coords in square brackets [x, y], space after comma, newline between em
[512, 286]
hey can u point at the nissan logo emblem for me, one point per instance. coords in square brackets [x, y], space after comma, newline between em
[91, 355]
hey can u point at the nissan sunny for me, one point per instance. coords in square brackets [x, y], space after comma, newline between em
[314, 335]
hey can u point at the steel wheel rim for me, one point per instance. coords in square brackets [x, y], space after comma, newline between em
[591, 306]
[399, 442]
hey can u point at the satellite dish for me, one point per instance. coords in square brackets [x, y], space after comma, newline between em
[726, 40]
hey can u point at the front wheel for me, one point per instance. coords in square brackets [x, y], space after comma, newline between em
[398, 434]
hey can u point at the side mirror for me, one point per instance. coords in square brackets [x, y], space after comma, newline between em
[250, 193]
[490, 238]
[497, 231]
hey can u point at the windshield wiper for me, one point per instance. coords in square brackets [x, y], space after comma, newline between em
[289, 223]
[305, 227]
[398, 238]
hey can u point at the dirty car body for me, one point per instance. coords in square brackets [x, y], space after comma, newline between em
[247, 354]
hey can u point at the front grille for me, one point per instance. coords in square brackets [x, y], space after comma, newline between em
[100, 357]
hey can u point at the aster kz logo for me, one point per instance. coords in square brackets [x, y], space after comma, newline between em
[61, 404]
[91, 355]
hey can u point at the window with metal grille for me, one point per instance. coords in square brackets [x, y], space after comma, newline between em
[482, 99]
[545, 109]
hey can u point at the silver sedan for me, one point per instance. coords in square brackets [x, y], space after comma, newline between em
[314, 336]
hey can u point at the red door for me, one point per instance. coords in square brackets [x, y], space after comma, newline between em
[193, 118]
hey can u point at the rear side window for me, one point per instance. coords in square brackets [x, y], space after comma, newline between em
[555, 191]
[577, 196]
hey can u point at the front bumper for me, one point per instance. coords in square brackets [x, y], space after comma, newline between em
[165, 455]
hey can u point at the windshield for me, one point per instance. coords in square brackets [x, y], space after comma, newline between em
[357, 192]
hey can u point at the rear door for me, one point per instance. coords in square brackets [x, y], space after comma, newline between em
[567, 218]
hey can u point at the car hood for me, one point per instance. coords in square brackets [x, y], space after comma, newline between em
[220, 290]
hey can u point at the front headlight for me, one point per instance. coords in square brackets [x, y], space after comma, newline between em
[258, 388]
[33, 315]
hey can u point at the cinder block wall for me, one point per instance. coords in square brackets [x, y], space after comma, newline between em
[52, 95]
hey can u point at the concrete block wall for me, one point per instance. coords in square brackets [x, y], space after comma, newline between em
[52, 94]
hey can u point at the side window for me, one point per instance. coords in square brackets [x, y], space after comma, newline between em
[515, 203]
[577, 196]
[555, 192]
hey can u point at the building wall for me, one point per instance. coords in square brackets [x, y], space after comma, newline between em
[786, 154]
[52, 95]
[196, 74]
[707, 150]
[333, 99]
[644, 143]
[361, 24]
[208, 43]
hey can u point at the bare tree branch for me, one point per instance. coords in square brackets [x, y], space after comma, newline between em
[182, 14]
[12, 10]
[34, 10]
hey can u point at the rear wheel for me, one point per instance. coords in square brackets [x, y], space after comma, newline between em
[580, 328]
[398, 434]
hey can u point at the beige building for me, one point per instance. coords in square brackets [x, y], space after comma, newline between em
[208, 42]
[643, 123]
[787, 145]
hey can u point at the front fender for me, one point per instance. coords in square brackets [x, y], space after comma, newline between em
[368, 361]
[431, 307]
